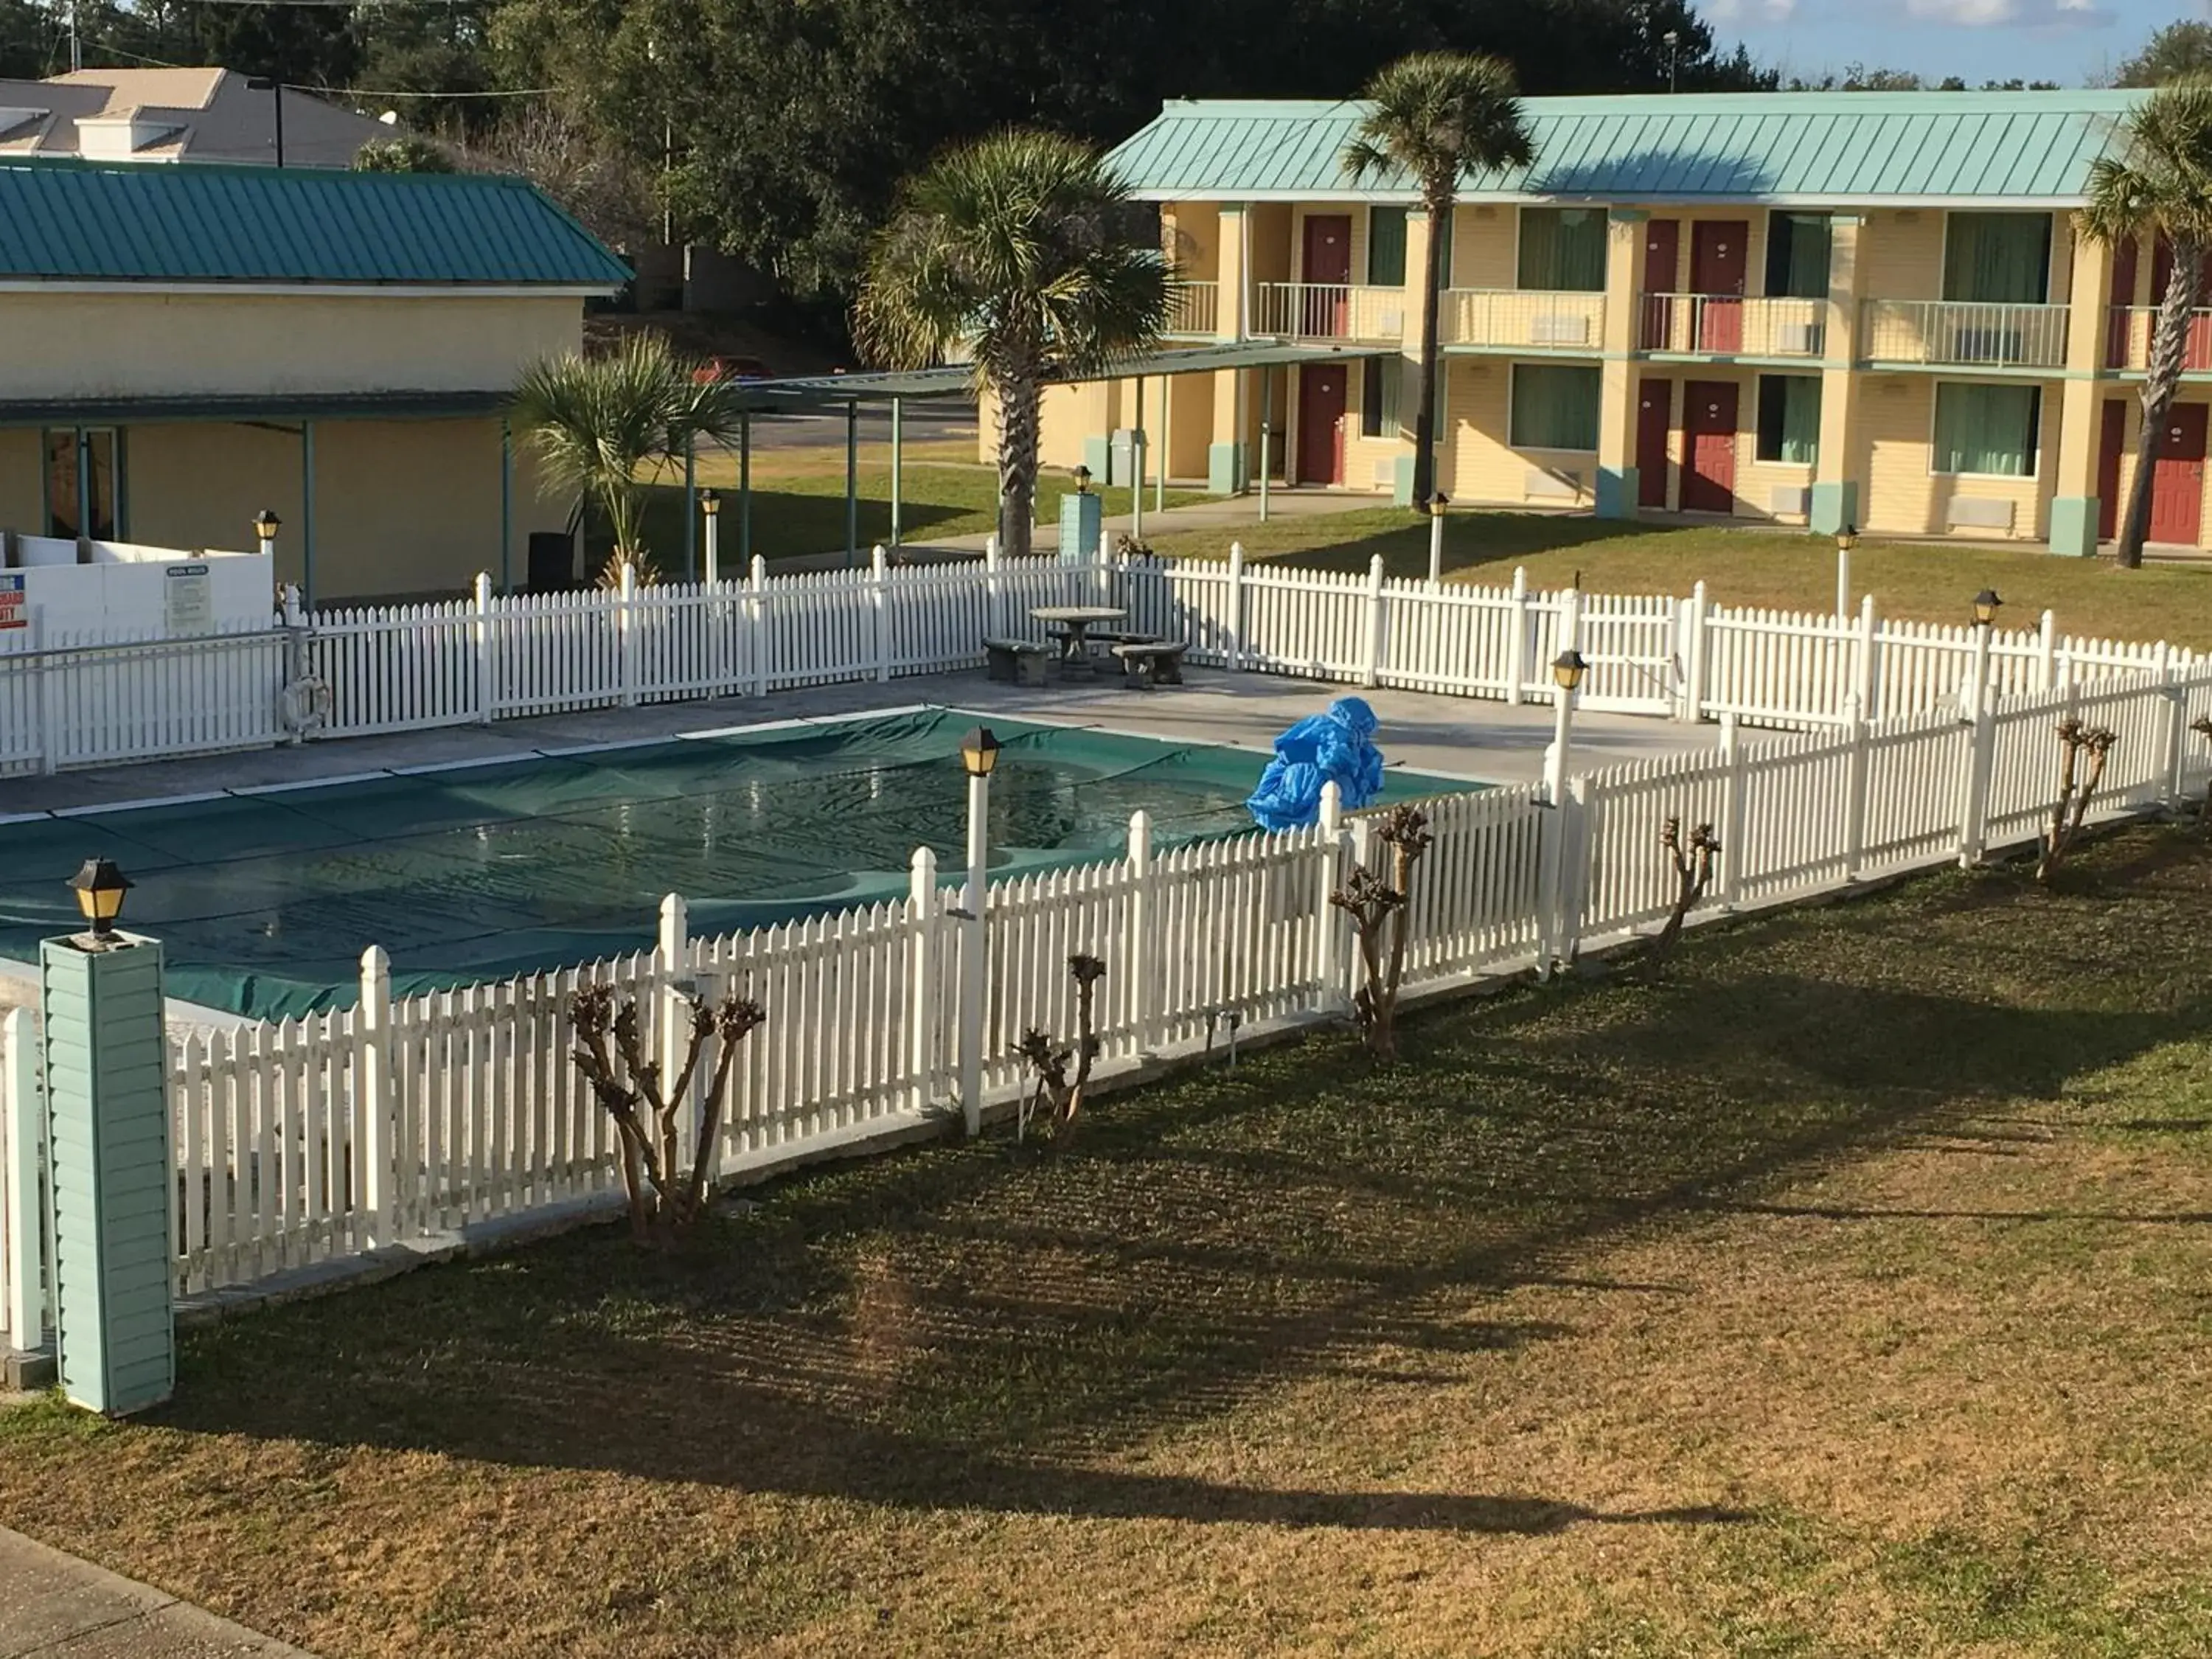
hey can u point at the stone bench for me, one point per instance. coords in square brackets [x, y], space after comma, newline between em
[1020, 662]
[1151, 662]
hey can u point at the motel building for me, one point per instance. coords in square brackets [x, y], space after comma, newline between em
[1811, 308]
[190, 344]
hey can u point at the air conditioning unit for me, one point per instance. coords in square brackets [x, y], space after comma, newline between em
[1542, 484]
[1384, 475]
[1800, 339]
[1391, 322]
[1978, 513]
[1787, 499]
[1558, 328]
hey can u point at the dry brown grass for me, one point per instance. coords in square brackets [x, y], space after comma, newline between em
[1838, 1289]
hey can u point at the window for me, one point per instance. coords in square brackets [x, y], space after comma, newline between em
[1998, 258]
[82, 496]
[1554, 406]
[1386, 246]
[1562, 248]
[1986, 428]
[1798, 255]
[1790, 418]
[1380, 391]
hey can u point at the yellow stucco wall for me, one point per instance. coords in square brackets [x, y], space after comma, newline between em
[1191, 233]
[1481, 465]
[1896, 428]
[83, 346]
[400, 507]
[1901, 254]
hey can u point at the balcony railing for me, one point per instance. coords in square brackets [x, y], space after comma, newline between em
[1328, 310]
[2128, 334]
[1732, 325]
[1962, 333]
[1194, 310]
[1522, 317]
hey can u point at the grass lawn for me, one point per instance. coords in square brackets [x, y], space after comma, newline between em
[1839, 1290]
[799, 500]
[1785, 569]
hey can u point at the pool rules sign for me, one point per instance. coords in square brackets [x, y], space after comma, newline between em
[14, 610]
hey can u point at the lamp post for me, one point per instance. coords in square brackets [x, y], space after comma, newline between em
[1437, 503]
[1846, 539]
[100, 887]
[1082, 480]
[979, 755]
[710, 504]
[1673, 40]
[1567, 670]
[1985, 608]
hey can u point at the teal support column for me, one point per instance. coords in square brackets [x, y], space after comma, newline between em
[1616, 492]
[746, 492]
[1835, 505]
[307, 512]
[108, 1134]
[2074, 526]
[1098, 456]
[505, 504]
[691, 511]
[1402, 481]
[1082, 516]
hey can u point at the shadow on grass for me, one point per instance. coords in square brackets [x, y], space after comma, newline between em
[982, 1326]
[1485, 542]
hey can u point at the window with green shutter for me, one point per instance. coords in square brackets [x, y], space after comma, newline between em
[1984, 428]
[1797, 246]
[1562, 249]
[1998, 258]
[1790, 418]
[1555, 406]
[1381, 388]
[1386, 246]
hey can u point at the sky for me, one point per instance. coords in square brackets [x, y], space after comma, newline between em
[2068, 42]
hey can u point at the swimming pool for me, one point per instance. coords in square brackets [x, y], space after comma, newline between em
[265, 899]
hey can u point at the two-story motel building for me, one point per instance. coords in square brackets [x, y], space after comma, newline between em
[1812, 309]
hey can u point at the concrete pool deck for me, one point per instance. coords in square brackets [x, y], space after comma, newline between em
[1455, 737]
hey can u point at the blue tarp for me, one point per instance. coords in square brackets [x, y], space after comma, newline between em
[1335, 746]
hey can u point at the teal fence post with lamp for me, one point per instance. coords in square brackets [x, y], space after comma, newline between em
[113, 1230]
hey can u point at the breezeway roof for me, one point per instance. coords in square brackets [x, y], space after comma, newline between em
[1836, 150]
[958, 380]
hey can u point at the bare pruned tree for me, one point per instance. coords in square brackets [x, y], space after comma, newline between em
[1693, 869]
[1054, 1092]
[2076, 786]
[599, 186]
[1377, 907]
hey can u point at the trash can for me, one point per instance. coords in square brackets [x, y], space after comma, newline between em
[552, 561]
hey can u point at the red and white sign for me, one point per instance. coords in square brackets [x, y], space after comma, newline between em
[14, 610]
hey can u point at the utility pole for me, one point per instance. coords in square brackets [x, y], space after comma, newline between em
[1672, 39]
[77, 42]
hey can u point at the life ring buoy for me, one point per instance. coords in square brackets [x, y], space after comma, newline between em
[304, 704]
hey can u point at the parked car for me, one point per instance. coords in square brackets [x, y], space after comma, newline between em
[732, 369]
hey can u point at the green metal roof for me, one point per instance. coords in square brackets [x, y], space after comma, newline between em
[62, 221]
[1826, 148]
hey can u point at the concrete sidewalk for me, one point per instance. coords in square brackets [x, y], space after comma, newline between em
[56, 1606]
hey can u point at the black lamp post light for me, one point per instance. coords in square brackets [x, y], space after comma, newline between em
[100, 887]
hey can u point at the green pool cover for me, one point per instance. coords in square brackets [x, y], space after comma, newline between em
[265, 901]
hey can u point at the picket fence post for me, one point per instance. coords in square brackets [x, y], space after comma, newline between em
[625, 655]
[1975, 704]
[1233, 653]
[480, 631]
[1328, 930]
[1732, 812]
[45, 695]
[2177, 725]
[879, 575]
[757, 613]
[377, 1108]
[1371, 649]
[2047, 652]
[1143, 970]
[20, 1156]
[1858, 769]
[1863, 660]
[672, 963]
[1697, 618]
[922, 1014]
[1574, 865]
[993, 582]
[1516, 640]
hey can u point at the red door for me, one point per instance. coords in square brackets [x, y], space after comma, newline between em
[1709, 446]
[2124, 296]
[1716, 267]
[1327, 271]
[1320, 424]
[2177, 482]
[1662, 252]
[2111, 443]
[2198, 352]
[1655, 416]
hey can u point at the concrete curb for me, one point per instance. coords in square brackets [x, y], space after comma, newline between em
[55, 1605]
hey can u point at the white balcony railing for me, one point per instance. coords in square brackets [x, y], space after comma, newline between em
[1522, 317]
[1328, 310]
[2129, 332]
[1194, 310]
[1732, 325]
[1962, 333]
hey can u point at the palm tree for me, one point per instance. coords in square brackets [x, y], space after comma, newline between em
[607, 427]
[1021, 247]
[2163, 187]
[1436, 116]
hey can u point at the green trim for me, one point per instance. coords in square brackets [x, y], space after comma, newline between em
[1617, 489]
[2074, 526]
[1835, 504]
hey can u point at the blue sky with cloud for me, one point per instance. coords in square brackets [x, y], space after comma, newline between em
[2068, 41]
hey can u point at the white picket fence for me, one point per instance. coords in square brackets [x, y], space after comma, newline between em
[314, 1139]
[70, 701]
